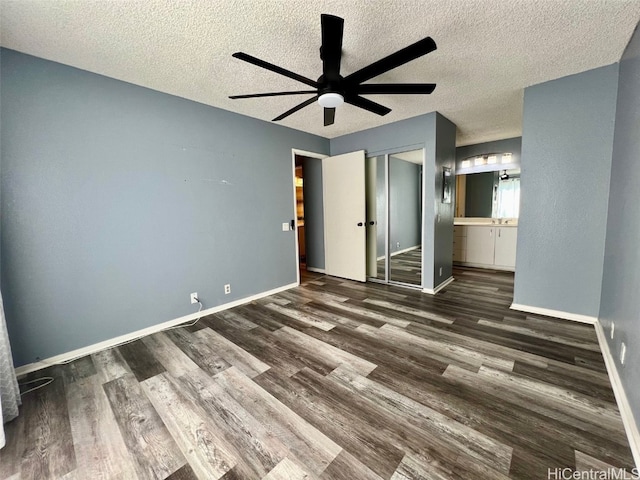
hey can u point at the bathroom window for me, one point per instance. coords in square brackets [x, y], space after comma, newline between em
[507, 198]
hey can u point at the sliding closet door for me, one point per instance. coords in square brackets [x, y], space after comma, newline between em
[394, 214]
[343, 180]
[405, 217]
[376, 217]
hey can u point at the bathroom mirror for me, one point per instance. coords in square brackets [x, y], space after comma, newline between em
[494, 194]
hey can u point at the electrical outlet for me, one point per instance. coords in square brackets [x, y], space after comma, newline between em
[397, 244]
[623, 352]
[440, 271]
[194, 297]
[227, 289]
[613, 329]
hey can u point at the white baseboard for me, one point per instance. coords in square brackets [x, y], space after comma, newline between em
[433, 291]
[630, 425]
[96, 347]
[316, 270]
[575, 317]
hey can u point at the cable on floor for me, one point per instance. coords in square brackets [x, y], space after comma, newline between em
[188, 324]
[49, 380]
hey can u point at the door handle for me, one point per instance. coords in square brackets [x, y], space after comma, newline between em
[360, 224]
[372, 222]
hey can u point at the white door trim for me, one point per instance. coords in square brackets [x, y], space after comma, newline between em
[302, 153]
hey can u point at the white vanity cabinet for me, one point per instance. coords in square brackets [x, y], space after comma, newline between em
[480, 244]
[459, 243]
[505, 251]
[490, 246]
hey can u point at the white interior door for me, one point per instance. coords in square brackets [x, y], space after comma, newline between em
[343, 180]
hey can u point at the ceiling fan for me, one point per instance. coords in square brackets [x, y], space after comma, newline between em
[332, 89]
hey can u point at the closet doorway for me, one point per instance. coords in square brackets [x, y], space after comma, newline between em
[394, 194]
[333, 215]
[308, 211]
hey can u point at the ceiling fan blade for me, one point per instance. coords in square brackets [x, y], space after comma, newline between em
[274, 68]
[295, 109]
[331, 49]
[366, 104]
[272, 94]
[329, 116]
[394, 60]
[395, 88]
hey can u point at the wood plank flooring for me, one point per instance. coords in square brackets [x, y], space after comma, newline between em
[404, 267]
[332, 380]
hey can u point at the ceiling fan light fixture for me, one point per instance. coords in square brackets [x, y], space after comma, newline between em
[330, 100]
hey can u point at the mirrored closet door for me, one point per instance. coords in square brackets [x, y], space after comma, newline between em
[394, 218]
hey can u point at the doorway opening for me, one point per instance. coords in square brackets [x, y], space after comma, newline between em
[486, 218]
[308, 211]
[299, 186]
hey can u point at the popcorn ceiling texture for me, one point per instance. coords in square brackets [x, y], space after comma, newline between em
[488, 50]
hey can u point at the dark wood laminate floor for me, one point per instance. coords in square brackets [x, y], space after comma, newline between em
[333, 380]
[404, 267]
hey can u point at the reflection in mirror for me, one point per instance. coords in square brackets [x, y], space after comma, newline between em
[488, 194]
[405, 217]
[376, 216]
[394, 217]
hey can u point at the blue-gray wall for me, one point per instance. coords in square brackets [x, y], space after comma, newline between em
[118, 201]
[620, 302]
[436, 135]
[567, 143]
[401, 136]
[313, 212]
[405, 214]
[441, 241]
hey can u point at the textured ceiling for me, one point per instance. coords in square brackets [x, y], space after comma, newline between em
[488, 50]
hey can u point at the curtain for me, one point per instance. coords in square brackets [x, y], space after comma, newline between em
[9, 390]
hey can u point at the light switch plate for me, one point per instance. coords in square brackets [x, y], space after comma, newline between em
[285, 227]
